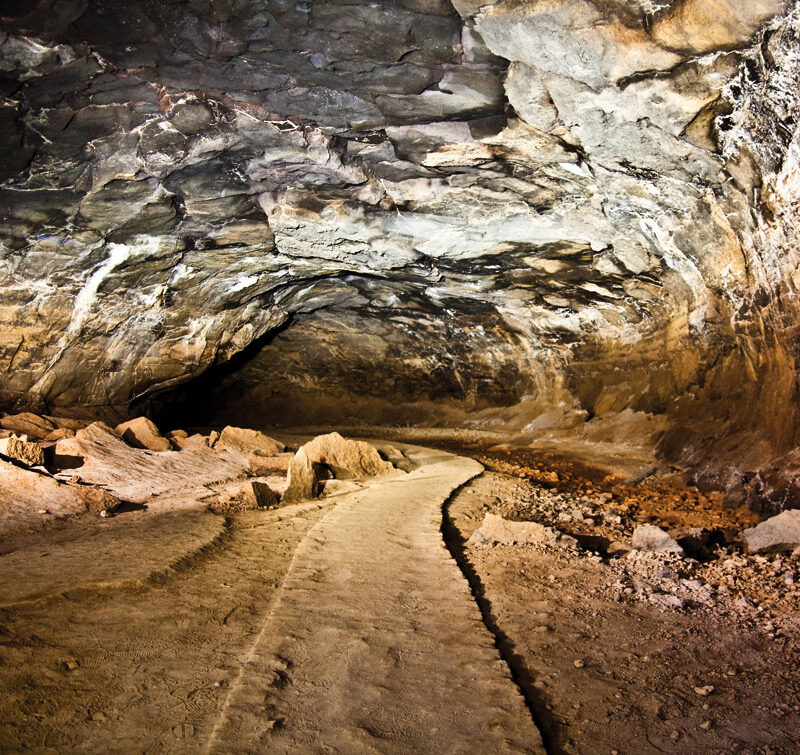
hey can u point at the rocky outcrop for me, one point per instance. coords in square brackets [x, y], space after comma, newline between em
[458, 214]
[332, 456]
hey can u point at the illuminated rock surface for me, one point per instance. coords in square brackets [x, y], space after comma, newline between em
[509, 216]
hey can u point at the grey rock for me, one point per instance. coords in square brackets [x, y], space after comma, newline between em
[648, 537]
[778, 533]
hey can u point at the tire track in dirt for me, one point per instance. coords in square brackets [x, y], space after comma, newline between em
[374, 642]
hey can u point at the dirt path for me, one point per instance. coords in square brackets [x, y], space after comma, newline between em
[340, 626]
[375, 643]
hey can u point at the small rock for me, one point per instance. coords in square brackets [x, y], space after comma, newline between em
[704, 691]
[578, 663]
[617, 548]
[648, 537]
[706, 725]
[263, 494]
[665, 600]
[22, 450]
[142, 433]
[495, 530]
[778, 533]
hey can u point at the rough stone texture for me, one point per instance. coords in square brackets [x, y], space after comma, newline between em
[28, 424]
[302, 480]
[143, 433]
[22, 450]
[253, 494]
[25, 495]
[495, 530]
[648, 537]
[100, 457]
[269, 465]
[778, 533]
[462, 217]
[346, 459]
[248, 441]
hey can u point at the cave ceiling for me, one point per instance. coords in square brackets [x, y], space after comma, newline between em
[482, 196]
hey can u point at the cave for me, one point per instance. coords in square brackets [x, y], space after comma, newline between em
[400, 376]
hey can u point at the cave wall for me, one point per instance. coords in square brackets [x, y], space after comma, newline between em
[457, 214]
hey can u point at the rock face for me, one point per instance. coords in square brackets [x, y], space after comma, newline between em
[409, 211]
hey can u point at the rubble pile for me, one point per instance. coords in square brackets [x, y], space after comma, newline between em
[668, 545]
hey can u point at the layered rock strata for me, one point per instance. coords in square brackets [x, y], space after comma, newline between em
[450, 210]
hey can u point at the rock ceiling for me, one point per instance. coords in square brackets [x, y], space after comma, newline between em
[586, 204]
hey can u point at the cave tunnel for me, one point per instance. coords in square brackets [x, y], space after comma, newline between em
[559, 237]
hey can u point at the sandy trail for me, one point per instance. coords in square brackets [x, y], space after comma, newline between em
[340, 625]
[374, 643]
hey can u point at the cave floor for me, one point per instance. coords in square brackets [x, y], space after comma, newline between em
[346, 625]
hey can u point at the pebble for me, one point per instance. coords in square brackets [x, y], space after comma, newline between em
[675, 735]
[705, 725]
[578, 663]
[704, 691]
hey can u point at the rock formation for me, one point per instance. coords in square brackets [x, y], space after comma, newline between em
[471, 214]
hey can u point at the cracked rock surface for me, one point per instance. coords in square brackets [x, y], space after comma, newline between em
[466, 213]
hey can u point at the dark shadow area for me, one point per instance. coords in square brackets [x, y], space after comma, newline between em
[191, 404]
[126, 507]
[552, 735]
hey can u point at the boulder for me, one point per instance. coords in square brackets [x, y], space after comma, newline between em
[648, 537]
[248, 441]
[142, 433]
[495, 530]
[778, 533]
[263, 494]
[347, 459]
[28, 424]
[22, 450]
[303, 479]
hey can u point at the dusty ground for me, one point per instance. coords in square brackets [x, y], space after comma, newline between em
[610, 673]
[144, 632]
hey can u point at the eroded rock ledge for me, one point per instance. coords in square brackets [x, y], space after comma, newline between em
[486, 213]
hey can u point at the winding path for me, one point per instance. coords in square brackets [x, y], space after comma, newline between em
[374, 643]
